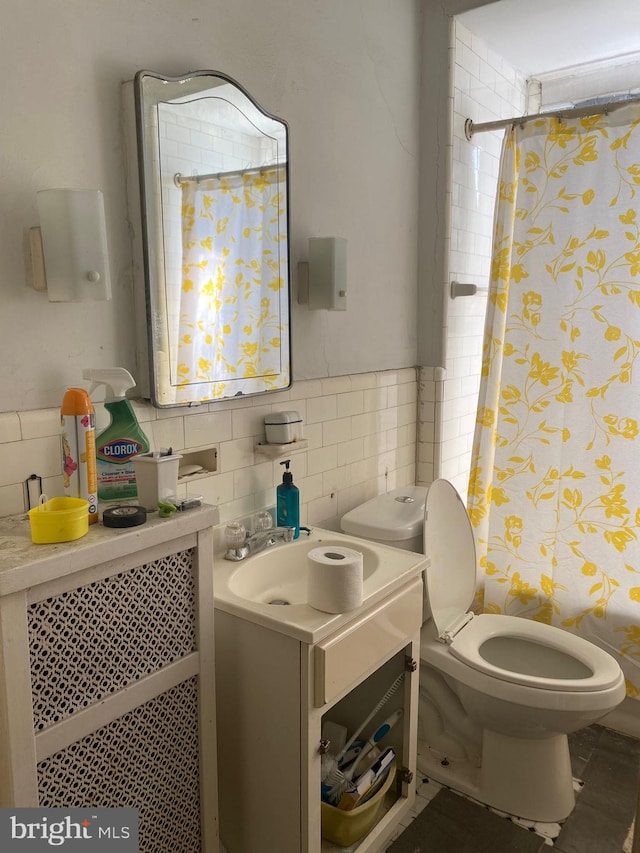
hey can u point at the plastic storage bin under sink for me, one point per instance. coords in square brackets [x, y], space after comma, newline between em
[345, 828]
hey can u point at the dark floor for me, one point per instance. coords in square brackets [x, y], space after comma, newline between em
[606, 762]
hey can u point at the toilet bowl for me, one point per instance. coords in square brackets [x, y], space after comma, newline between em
[498, 694]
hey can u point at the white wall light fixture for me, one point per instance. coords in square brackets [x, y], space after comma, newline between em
[74, 242]
[322, 281]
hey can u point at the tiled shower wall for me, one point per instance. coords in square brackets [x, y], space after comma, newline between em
[360, 432]
[484, 88]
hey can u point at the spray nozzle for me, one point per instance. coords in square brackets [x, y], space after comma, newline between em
[116, 380]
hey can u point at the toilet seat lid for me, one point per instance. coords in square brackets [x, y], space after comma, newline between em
[450, 579]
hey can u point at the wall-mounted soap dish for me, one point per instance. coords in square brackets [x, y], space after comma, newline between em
[197, 462]
[274, 451]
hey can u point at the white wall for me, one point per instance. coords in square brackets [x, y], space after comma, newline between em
[345, 76]
[365, 89]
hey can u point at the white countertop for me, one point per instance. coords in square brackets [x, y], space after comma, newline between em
[24, 565]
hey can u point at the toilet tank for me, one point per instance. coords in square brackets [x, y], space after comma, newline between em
[394, 518]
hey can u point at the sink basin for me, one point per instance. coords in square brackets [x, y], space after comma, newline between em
[270, 588]
[278, 575]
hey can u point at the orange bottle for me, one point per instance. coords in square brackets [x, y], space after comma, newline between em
[78, 423]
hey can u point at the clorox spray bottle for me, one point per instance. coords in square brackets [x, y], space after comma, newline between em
[122, 440]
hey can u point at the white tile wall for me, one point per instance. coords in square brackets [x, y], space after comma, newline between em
[485, 88]
[361, 434]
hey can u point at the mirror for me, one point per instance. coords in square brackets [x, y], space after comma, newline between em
[214, 180]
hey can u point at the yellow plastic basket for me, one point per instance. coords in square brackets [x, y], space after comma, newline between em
[345, 828]
[59, 520]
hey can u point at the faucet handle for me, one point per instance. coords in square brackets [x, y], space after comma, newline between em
[263, 521]
[235, 534]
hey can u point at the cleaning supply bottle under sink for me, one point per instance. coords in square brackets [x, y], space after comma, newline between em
[288, 502]
[122, 440]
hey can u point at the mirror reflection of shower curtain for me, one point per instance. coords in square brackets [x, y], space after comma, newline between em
[554, 491]
[230, 328]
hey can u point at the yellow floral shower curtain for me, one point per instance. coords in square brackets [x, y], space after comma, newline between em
[555, 483]
[233, 248]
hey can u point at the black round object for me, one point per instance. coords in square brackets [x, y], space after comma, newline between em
[124, 516]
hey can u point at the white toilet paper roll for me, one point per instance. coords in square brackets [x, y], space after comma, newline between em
[334, 579]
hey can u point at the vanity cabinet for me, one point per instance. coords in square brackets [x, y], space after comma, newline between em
[274, 691]
[107, 679]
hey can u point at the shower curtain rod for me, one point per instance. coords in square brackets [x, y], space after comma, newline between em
[572, 112]
[179, 179]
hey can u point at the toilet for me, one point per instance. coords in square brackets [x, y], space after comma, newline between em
[394, 518]
[498, 694]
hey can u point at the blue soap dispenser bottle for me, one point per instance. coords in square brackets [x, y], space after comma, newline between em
[288, 502]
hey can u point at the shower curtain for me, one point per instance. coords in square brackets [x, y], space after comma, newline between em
[554, 491]
[230, 326]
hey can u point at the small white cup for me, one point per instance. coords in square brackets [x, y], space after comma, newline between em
[156, 478]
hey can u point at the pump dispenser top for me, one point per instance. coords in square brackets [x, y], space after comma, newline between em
[288, 502]
[122, 440]
[287, 477]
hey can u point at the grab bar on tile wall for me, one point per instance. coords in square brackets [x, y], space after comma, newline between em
[459, 288]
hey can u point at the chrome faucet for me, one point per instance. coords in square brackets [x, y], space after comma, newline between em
[259, 541]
